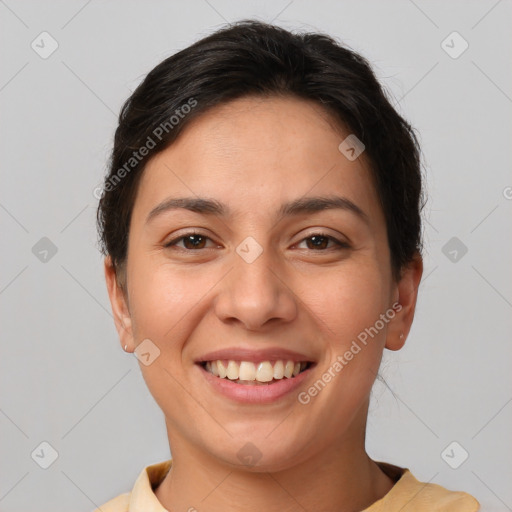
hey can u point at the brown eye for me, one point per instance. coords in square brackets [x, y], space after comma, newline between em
[191, 241]
[320, 242]
[194, 241]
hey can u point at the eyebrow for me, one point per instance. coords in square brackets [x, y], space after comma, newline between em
[299, 206]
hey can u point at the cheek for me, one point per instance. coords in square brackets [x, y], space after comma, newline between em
[166, 301]
[347, 304]
[347, 300]
[167, 305]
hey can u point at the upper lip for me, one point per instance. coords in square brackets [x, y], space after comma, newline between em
[267, 354]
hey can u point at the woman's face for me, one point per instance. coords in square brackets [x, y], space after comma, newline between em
[266, 280]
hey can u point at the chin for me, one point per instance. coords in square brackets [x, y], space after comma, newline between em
[261, 455]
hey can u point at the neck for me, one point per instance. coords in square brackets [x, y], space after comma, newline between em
[342, 478]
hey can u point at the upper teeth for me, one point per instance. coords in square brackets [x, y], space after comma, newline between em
[261, 372]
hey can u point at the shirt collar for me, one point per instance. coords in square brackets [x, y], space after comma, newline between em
[143, 498]
[407, 493]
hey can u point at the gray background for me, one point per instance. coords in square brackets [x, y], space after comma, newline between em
[64, 378]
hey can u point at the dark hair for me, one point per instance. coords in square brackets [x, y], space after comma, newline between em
[251, 58]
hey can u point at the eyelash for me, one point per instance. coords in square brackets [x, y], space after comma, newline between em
[340, 245]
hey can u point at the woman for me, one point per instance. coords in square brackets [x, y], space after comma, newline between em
[262, 232]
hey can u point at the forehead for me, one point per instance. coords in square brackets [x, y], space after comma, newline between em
[255, 154]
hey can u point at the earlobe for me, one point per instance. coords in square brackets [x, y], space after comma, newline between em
[407, 288]
[120, 311]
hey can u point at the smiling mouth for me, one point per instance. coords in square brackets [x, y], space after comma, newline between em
[255, 374]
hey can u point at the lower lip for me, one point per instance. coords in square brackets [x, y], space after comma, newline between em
[258, 394]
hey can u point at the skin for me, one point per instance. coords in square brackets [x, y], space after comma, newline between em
[254, 154]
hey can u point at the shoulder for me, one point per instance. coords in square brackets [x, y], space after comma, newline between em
[118, 504]
[436, 497]
[408, 495]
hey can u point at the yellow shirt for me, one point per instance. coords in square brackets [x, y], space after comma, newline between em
[407, 495]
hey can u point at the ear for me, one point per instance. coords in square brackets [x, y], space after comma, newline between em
[406, 295]
[118, 301]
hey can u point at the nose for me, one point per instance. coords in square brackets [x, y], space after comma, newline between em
[255, 295]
